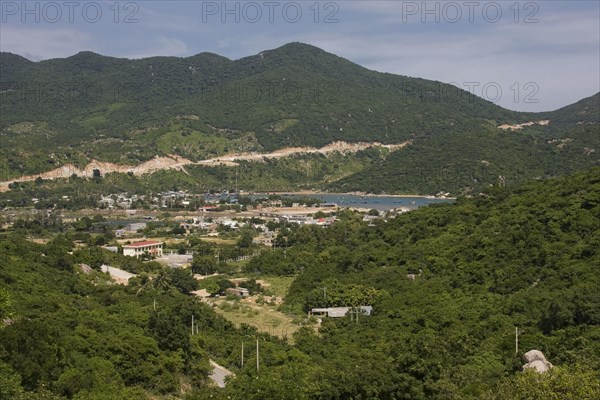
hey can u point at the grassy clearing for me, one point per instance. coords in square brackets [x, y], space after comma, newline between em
[279, 284]
[217, 240]
[265, 317]
[260, 311]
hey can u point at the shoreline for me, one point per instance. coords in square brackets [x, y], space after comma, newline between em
[362, 194]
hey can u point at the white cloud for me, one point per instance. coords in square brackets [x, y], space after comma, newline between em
[560, 53]
[163, 46]
[42, 43]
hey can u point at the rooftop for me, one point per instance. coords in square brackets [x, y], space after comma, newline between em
[143, 243]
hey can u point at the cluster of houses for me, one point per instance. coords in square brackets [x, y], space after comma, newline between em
[307, 219]
[160, 200]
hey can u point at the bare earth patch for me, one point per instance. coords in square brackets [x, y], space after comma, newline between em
[178, 163]
[520, 126]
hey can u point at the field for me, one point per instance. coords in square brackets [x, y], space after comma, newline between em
[262, 311]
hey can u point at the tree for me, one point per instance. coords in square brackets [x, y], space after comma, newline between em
[178, 230]
[183, 280]
[204, 264]
[6, 310]
[560, 383]
[245, 239]
[10, 382]
[162, 282]
[224, 284]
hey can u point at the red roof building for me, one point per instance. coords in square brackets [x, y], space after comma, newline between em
[137, 249]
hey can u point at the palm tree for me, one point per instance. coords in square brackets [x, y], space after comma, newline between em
[162, 282]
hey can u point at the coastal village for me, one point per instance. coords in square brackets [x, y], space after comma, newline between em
[163, 228]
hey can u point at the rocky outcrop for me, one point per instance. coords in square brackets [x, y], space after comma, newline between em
[520, 126]
[536, 360]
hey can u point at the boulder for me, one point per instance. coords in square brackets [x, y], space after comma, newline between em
[533, 355]
[536, 360]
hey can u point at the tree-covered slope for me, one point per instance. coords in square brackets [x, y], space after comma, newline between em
[448, 284]
[90, 106]
[527, 258]
[459, 160]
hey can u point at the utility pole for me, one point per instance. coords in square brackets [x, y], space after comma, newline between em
[192, 324]
[517, 333]
[242, 354]
[257, 357]
[154, 304]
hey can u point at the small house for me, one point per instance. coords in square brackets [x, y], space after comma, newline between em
[238, 291]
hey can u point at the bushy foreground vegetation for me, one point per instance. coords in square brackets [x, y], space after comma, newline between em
[448, 284]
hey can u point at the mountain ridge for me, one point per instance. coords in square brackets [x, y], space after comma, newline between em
[89, 106]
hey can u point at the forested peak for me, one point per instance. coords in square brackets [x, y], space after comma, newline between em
[7, 57]
[209, 56]
[584, 112]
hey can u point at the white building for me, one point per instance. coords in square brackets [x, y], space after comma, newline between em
[140, 248]
[339, 312]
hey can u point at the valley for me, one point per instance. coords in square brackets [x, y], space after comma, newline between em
[291, 224]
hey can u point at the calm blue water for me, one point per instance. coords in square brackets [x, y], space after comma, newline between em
[382, 203]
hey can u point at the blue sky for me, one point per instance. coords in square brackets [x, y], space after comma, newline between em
[526, 55]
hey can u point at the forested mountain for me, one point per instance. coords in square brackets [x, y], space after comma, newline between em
[448, 285]
[90, 106]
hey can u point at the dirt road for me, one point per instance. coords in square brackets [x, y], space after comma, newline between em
[178, 163]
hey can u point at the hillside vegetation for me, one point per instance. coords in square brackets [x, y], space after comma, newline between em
[89, 106]
[448, 285]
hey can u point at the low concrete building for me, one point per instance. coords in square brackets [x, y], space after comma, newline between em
[135, 226]
[339, 312]
[114, 249]
[238, 291]
[137, 249]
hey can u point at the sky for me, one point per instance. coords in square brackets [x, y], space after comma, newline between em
[522, 55]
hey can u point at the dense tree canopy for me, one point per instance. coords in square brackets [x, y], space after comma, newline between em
[448, 285]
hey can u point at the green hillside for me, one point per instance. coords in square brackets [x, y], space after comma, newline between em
[525, 257]
[90, 106]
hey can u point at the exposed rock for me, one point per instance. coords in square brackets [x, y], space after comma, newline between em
[520, 126]
[86, 269]
[173, 161]
[536, 360]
